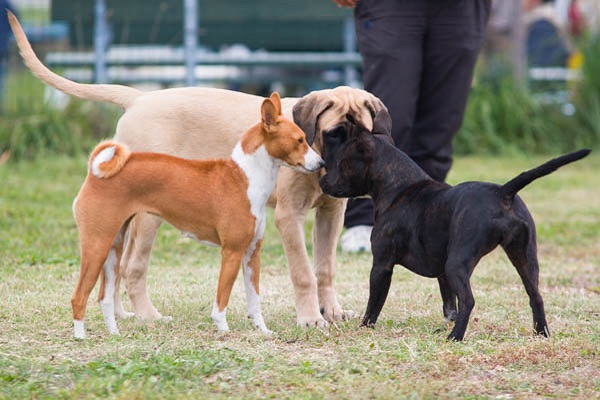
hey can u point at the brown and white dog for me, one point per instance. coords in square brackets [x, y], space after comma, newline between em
[201, 123]
[220, 201]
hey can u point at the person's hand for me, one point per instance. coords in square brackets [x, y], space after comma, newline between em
[346, 3]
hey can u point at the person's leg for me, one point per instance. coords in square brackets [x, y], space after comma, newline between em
[455, 35]
[389, 37]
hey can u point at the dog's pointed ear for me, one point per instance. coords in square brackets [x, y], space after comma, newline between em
[382, 121]
[269, 114]
[276, 99]
[306, 114]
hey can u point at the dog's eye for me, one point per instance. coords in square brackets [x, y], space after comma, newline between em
[301, 140]
[338, 133]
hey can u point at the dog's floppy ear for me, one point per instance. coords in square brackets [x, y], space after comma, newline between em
[276, 99]
[382, 121]
[306, 114]
[268, 113]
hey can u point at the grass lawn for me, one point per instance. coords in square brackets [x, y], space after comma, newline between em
[406, 355]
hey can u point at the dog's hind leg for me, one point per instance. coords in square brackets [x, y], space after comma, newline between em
[522, 252]
[448, 298]
[107, 297]
[120, 312]
[459, 282]
[94, 253]
[463, 256]
[134, 265]
[251, 265]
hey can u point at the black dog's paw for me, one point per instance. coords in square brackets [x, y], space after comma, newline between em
[454, 337]
[367, 323]
[542, 331]
[450, 316]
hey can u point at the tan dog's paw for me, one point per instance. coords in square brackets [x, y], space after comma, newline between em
[149, 314]
[312, 322]
[335, 313]
[123, 314]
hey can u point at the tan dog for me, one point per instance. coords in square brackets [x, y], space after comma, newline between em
[219, 201]
[206, 122]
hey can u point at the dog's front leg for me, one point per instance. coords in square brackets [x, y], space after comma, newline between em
[291, 227]
[296, 194]
[329, 220]
[379, 286]
[448, 299]
[230, 265]
[251, 263]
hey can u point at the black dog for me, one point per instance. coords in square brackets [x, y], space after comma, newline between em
[432, 228]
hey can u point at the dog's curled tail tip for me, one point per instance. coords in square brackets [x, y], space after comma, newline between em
[108, 158]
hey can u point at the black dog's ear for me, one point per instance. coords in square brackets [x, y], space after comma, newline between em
[382, 121]
[306, 113]
[386, 138]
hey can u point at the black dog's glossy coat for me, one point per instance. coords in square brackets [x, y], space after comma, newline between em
[431, 228]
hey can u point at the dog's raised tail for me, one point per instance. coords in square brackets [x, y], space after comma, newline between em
[510, 188]
[116, 94]
[107, 159]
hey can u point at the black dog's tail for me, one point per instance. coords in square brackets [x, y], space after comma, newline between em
[510, 188]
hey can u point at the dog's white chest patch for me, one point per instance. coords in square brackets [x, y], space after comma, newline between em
[261, 171]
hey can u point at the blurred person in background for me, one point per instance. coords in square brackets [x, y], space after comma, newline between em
[547, 41]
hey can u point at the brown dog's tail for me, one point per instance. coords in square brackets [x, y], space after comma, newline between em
[510, 188]
[116, 94]
[107, 159]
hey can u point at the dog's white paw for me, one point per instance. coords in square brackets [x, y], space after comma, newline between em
[79, 329]
[267, 332]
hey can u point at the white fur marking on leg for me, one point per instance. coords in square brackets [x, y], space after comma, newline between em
[261, 169]
[219, 318]
[252, 298]
[105, 155]
[107, 304]
[79, 329]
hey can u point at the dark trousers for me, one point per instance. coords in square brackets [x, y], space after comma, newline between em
[418, 58]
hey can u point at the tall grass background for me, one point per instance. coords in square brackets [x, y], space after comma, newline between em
[502, 117]
[505, 115]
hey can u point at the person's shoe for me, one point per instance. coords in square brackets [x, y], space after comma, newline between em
[357, 239]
